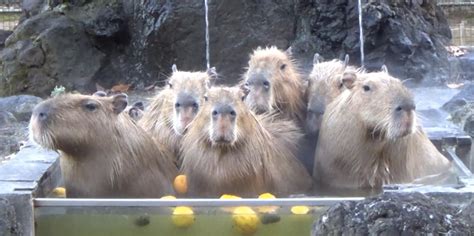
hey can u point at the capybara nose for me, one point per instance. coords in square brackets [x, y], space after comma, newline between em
[406, 106]
[42, 111]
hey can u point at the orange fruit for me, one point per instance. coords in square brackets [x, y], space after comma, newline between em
[180, 184]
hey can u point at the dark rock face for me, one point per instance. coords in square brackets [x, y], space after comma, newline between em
[80, 43]
[396, 214]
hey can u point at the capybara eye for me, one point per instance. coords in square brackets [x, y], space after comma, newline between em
[398, 108]
[340, 85]
[177, 105]
[282, 67]
[195, 105]
[214, 113]
[232, 113]
[90, 106]
[366, 88]
[266, 84]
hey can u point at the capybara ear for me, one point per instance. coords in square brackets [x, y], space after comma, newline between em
[212, 73]
[119, 102]
[346, 60]
[384, 69]
[348, 79]
[174, 68]
[289, 51]
[139, 105]
[317, 58]
[100, 94]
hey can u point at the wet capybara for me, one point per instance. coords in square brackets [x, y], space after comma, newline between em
[173, 108]
[325, 83]
[370, 137]
[273, 84]
[103, 152]
[230, 150]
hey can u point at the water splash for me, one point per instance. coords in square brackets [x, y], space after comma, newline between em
[361, 35]
[206, 8]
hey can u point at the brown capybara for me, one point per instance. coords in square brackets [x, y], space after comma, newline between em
[103, 152]
[273, 84]
[369, 137]
[229, 150]
[326, 81]
[172, 110]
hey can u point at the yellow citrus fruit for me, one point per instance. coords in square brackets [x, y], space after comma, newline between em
[180, 184]
[267, 209]
[183, 217]
[229, 196]
[300, 210]
[245, 220]
[168, 197]
[59, 192]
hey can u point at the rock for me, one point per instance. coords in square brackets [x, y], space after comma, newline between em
[461, 108]
[469, 125]
[8, 225]
[21, 106]
[136, 42]
[6, 118]
[395, 214]
[46, 50]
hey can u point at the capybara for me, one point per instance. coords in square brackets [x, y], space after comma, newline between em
[103, 152]
[325, 83]
[172, 110]
[273, 84]
[135, 111]
[229, 150]
[370, 137]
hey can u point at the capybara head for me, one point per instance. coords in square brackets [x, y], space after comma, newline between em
[225, 109]
[272, 81]
[188, 89]
[71, 121]
[326, 81]
[384, 105]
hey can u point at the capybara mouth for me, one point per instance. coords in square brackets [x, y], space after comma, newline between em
[39, 133]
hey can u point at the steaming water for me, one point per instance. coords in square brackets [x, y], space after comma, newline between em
[206, 8]
[361, 35]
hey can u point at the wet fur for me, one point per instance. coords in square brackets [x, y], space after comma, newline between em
[103, 154]
[262, 159]
[357, 150]
[158, 117]
[287, 90]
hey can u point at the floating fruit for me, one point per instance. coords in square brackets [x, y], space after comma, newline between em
[300, 210]
[229, 196]
[59, 192]
[183, 217]
[180, 184]
[267, 209]
[245, 220]
[168, 197]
